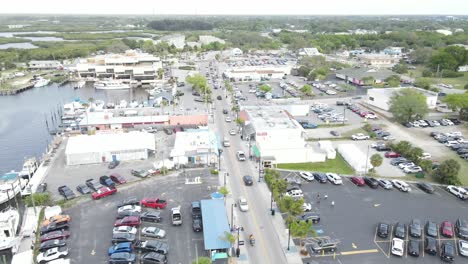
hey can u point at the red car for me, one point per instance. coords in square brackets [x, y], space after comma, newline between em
[363, 113]
[154, 203]
[359, 181]
[55, 235]
[391, 154]
[128, 221]
[446, 229]
[117, 178]
[103, 192]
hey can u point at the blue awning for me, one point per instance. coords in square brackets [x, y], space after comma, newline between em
[215, 224]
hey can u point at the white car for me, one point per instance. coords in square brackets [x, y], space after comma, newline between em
[307, 207]
[389, 138]
[330, 92]
[458, 191]
[232, 132]
[386, 184]
[129, 208]
[294, 193]
[451, 143]
[401, 185]
[412, 169]
[406, 164]
[228, 119]
[51, 254]
[463, 247]
[306, 175]
[359, 136]
[398, 247]
[426, 155]
[243, 205]
[334, 178]
[153, 231]
[371, 116]
[252, 90]
[124, 230]
[240, 155]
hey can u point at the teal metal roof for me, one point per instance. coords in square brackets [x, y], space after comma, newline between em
[215, 224]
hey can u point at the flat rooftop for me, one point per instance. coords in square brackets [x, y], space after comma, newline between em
[270, 117]
[389, 91]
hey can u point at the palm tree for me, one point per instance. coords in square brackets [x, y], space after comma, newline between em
[302, 229]
[229, 237]
[163, 104]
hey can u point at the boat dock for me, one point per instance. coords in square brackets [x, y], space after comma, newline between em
[16, 90]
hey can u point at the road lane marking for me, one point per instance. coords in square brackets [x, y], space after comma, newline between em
[354, 245]
[354, 252]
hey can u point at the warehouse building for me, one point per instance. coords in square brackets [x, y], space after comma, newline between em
[380, 97]
[195, 147]
[89, 149]
[257, 73]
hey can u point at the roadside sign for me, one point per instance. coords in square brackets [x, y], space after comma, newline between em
[241, 242]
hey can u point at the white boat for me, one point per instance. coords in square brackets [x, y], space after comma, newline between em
[10, 185]
[9, 224]
[41, 82]
[111, 85]
[79, 85]
[29, 167]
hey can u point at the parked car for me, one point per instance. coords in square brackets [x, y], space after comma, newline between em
[93, 184]
[386, 184]
[117, 178]
[431, 229]
[412, 169]
[359, 181]
[128, 221]
[54, 227]
[413, 248]
[320, 177]
[335, 133]
[248, 181]
[391, 154]
[106, 181]
[124, 229]
[398, 161]
[120, 248]
[129, 201]
[240, 155]
[399, 230]
[446, 229]
[153, 258]
[197, 224]
[243, 205]
[463, 247]
[458, 192]
[306, 175]
[56, 219]
[55, 235]
[430, 246]
[359, 136]
[334, 178]
[314, 217]
[66, 192]
[41, 188]
[383, 229]
[51, 254]
[154, 202]
[140, 173]
[425, 187]
[371, 182]
[153, 231]
[83, 189]
[121, 258]
[103, 192]
[151, 216]
[122, 237]
[113, 164]
[129, 208]
[415, 228]
[401, 185]
[461, 228]
[447, 251]
[52, 244]
[398, 246]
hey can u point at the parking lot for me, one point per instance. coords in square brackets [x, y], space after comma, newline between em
[92, 221]
[357, 211]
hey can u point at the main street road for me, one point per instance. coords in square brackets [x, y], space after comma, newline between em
[257, 220]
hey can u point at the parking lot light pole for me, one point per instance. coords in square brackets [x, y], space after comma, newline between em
[367, 158]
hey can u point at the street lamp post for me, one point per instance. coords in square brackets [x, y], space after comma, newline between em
[232, 215]
[289, 234]
[238, 242]
[367, 158]
[220, 151]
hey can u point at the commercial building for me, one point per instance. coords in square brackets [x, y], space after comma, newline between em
[358, 75]
[44, 65]
[257, 73]
[196, 147]
[130, 66]
[177, 40]
[279, 138]
[215, 228]
[123, 118]
[379, 60]
[380, 97]
[88, 149]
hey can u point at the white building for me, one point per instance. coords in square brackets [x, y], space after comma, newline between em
[195, 147]
[177, 40]
[235, 52]
[355, 158]
[379, 60]
[380, 97]
[257, 73]
[45, 65]
[89, 149]
[278, 137]
[463, 68]
[129, 118]
[207, 39]
[131, 65]
[444, 32]
[309, 52]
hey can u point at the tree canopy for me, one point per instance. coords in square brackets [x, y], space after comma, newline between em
[458, 102]
[407, 105]
[448, 172]
[198, 83]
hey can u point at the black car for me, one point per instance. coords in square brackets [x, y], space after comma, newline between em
[415, 228]
[320, 177]
[383, 148]
[400, 230]
[153, 258]
[197, 225]
[113, 164]
[383, 230]
[455, 121]
[195, 93]
[413, 248]
[461, 228]
[248, 180]
[129, 201]
[122, 237]
[335, 133]
[371, 182]
[66, 192]
[425, 187]
[431, 229]
[168, 131]
[196, 209]
[106, 181]
[123, 214]
[51, 244]
[151, 216]
[225, 111]
[219, 97]
[122, 258]
[41, 188]
[447, 251]
[430, 246]
[93, 184]
[83, 189]
[397, 161]
[314, 217]
[462, 151]
[54, 226]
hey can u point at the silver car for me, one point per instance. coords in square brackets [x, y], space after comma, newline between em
[153, 231]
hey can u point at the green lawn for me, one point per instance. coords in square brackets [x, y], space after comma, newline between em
[338, 165]
[458, 83]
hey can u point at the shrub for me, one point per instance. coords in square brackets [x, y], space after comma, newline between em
[214, 171]
[40, 199]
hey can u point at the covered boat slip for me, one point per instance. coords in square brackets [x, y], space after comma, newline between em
[88, 149]
[215, 227]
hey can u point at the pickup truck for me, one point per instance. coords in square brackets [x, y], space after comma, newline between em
[324, 244]
[151, 245]
[154, 203]
[140, 173]
[176, 216]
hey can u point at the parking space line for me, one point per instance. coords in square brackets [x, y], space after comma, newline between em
[354, 252]
[391, 238]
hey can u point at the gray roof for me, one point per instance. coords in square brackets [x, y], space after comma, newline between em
[360, 73]
[168, 96]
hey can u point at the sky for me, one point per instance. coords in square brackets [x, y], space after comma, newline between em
[238, 7]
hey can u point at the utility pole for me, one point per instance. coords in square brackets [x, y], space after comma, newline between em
[367, 158]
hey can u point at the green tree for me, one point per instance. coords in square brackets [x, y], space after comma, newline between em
[160, 73]
[423, 83]
[302, 229]
[415, 154]
[40, 199]
[369, 80]
[408, 104]
[198, 83]
[202, 260]
[224, 191]
[426, 165]
[447, 172]
[400, 68]
[422, 55]
[291, 206]
[403, 147]
[306, 89]
[217, 57]
[348, 87]
[376, 160]
[265, 88]
[458, 102]
[393, 81]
